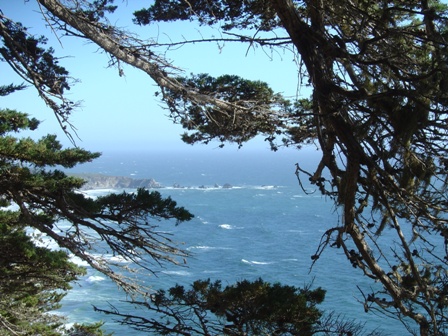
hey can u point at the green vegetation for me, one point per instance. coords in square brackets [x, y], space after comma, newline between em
[35, 200]
[377, 112]
[245, 308]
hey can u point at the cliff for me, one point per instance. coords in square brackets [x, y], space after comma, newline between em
[98, 181]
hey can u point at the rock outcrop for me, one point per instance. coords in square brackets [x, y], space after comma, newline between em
[98, 181]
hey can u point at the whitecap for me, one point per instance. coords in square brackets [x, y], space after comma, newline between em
[266, 187]
[253, 262]
[202, 220]
[261, 262]
[205, 248]
[229, 227]
[95, 278]
[181, 273]
[99, 192]
[200, 247]
[226, 226]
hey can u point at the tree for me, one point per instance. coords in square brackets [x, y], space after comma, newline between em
[245, 308]
[45, 197]
[33, 278]
[35, 198]
[29, 279]
[377, 71]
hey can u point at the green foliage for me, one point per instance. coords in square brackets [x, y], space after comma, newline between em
[86, 330]
[20, 45]
[46, 196]
[232, 14]
[34, 278]
[37, 65]
[98, 8]
[258, 111]
[13, 121]
[259, 308]
[132, 205]
[245, 308]
[378, 112]
[8, 89]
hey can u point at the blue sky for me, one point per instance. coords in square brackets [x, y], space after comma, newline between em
[123, 112]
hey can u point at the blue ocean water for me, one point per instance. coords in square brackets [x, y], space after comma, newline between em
[264, 226]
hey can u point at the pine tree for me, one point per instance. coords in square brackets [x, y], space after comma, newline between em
[34, 200]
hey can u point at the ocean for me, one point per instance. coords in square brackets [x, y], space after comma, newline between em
[264, 226]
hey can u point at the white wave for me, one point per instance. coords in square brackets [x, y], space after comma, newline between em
[202, 220]
[200, 247]
[266, 187]
[181, 273]
[95, 278]
[229, 227]
[226, 226]
[99, 192]
[261, 262]
[78, 261]
[204, 188]
[195, 187]
[205, 248]
[253, 262]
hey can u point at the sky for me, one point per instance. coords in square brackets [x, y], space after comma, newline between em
[123, 113]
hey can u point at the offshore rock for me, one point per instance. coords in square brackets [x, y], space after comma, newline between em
[99, 181]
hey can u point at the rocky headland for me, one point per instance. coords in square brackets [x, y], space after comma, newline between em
[99, 181]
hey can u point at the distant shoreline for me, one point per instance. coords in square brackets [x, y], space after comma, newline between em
[100, 181]
[95, 181]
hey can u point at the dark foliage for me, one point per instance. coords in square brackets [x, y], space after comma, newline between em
[231, 14]
[35, 199]
[245, 308]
